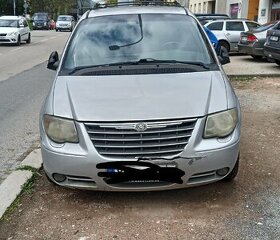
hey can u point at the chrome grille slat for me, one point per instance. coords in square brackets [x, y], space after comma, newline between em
[135, 146]
[121, 139]
[146, 132]
[140, 153]
[137, 139]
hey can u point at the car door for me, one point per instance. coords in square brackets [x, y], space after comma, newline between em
[26, 29]
[217, 28]
[232, 32]
[22, 29]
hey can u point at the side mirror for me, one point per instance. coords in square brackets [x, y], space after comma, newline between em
[223, 55]
[53, 61]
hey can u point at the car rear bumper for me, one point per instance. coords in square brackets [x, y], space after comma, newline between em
[250, 49]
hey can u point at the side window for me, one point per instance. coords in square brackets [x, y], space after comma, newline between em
[216, 26]
[252, 25]
[25, 23]
[234, 26]
[21, 22]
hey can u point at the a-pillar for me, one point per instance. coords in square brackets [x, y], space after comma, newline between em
[264, 14]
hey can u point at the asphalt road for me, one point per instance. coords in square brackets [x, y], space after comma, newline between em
[16, 59]
[22, 94]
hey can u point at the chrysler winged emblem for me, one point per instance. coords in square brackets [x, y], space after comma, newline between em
[141, 127]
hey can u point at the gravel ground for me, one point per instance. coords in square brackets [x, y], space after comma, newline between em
[247, 208]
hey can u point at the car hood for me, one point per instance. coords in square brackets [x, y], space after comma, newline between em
[139, 97]
[63, 22]
[8, 29]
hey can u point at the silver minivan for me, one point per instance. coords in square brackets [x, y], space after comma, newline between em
[140, 102]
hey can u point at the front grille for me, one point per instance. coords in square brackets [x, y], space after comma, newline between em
[4, 40]
[3, 34]
[123, 141]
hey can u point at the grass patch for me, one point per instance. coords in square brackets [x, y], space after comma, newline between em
[242, 78]
[26, 189]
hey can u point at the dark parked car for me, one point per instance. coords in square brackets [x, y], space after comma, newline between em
[272, 44]
[41, 20]
[252, 41]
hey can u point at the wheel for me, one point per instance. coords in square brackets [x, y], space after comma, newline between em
[18, 41]
[225, 45]
[233, 172]
[257, 57]
[56, 30]
[277, 62]
[29, 39]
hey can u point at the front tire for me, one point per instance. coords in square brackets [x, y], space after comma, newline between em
[231, 176]
[18, 41]
[225, 45]
[29, 39]
[257, 57]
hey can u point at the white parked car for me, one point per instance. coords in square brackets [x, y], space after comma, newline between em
[65, 22]
[228, 31]
[14, 30]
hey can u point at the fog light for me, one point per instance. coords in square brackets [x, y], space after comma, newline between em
[222, 172]
[59, 177]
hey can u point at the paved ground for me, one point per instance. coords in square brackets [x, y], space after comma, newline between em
[16, 59]
[246, 65]
[245, 209]
[22, 94]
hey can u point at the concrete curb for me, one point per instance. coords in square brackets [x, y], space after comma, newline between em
[12, 185]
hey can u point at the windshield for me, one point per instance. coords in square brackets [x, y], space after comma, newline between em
[40, 17]
[130, 38]
[64, 18]
[8, 23]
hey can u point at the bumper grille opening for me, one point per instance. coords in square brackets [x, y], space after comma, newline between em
[122, 140]
[201, 177]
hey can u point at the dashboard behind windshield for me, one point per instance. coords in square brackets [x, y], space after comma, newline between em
[122, 38]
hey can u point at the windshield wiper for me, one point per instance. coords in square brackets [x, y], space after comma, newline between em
[140, 62]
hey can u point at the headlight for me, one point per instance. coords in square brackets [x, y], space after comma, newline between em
[45, 24]
[12, 34]
[33, 23]
[60, 130]
[221, 124]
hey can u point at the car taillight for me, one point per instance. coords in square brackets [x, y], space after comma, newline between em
[251, 38]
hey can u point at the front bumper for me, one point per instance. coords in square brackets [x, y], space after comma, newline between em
[64, 28]
[272, 53]
[199, 161]
[8, 39]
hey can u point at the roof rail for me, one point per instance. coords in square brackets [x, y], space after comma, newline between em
[138, 3]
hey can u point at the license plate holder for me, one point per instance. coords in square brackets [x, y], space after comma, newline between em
[274, 38]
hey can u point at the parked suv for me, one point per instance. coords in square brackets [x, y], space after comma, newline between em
[228, 31]
[272, 44]
[13, 30]
[135, 108]
[41, 20]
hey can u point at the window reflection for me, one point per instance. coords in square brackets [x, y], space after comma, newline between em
[165, 37]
